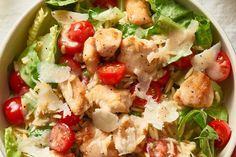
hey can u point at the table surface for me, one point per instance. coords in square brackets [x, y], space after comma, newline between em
[223, 11]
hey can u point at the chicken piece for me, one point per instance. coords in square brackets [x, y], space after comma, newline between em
[134, 53]
[110, 99]
[131, 132]
[95, 143]
[90, 55]
[138, 12]
[196, 91]
[74, 93]
[107, 41]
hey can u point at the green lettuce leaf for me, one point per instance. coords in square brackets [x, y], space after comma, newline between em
[30, 101]
[107, 18]
[218, 112]
[49, 45]
[169, 8]
[11, 145]
[132, 29]
[28, 62]
[60, 3]
[204, 37]
[42, 22]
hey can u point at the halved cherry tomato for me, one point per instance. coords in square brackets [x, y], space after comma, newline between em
[13, 111]
[70, 120]
[17, 84]
[111, 73]
[184, 63]
[165, 78]
[154, 91]
[61, 138]
[105, 3]
[73, 37]
[221, 70]
[74, 65]
[223, 131]
[159, 148]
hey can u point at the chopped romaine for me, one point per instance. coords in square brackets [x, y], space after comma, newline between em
[11, 145]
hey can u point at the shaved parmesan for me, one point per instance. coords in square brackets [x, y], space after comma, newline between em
[159, 113]
[178, 44]
[105, 121]
[186, 149]
[207, 58]
[52, 73]
[68, 17]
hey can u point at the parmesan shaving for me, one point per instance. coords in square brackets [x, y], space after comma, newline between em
[159, 113]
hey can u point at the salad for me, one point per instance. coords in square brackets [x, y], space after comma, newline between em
[108, 78]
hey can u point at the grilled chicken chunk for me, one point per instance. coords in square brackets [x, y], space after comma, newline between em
[74, 93]
[95, 143]
[138, 12]
[107, 41]
[131, 132]
[110, 99]
[90, 55]
[134, 53]
[196, 91]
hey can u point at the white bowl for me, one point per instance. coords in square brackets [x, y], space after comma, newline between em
[15, 43]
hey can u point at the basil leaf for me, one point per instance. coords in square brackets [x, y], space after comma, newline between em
[201, 119]
[217, 112]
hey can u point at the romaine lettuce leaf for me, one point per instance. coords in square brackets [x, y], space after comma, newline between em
[49, 45]
[11, 145]
[60, 3]
[132, 29]
[169, 8]
[37, 132]
[107, 18]
[204, 37]
[30, 101]
[28, 62]
[34, 30]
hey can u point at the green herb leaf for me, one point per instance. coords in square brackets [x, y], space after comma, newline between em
[60, 3]
[208, 133]
[201, 119]
[217, 112]
[11, 145]
[37, 132]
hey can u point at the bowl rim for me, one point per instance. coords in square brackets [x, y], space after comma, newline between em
[231, 51]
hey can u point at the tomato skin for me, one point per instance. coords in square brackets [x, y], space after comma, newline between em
[13, 111]
[159, 148]
[154, 91]
[70, 120]
[165, 78]
[184, 62]
[224, 70]
[61, 138]
[223, 130]
[105, 3]
[111, 73]
[74, 65]
[17, 84]
[73, 37]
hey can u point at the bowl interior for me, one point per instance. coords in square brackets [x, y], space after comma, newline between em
[16, 42]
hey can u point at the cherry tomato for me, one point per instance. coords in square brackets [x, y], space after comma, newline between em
[159, 148]
[74, 65]
[70, 120]
[111, 73]
[164, 79]
[13, 111]
[17, 84]
[73, 37]
[223, 131]
[184, 62]
[221, 70]
[105, 3]
[154, 91]
[61, 138]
